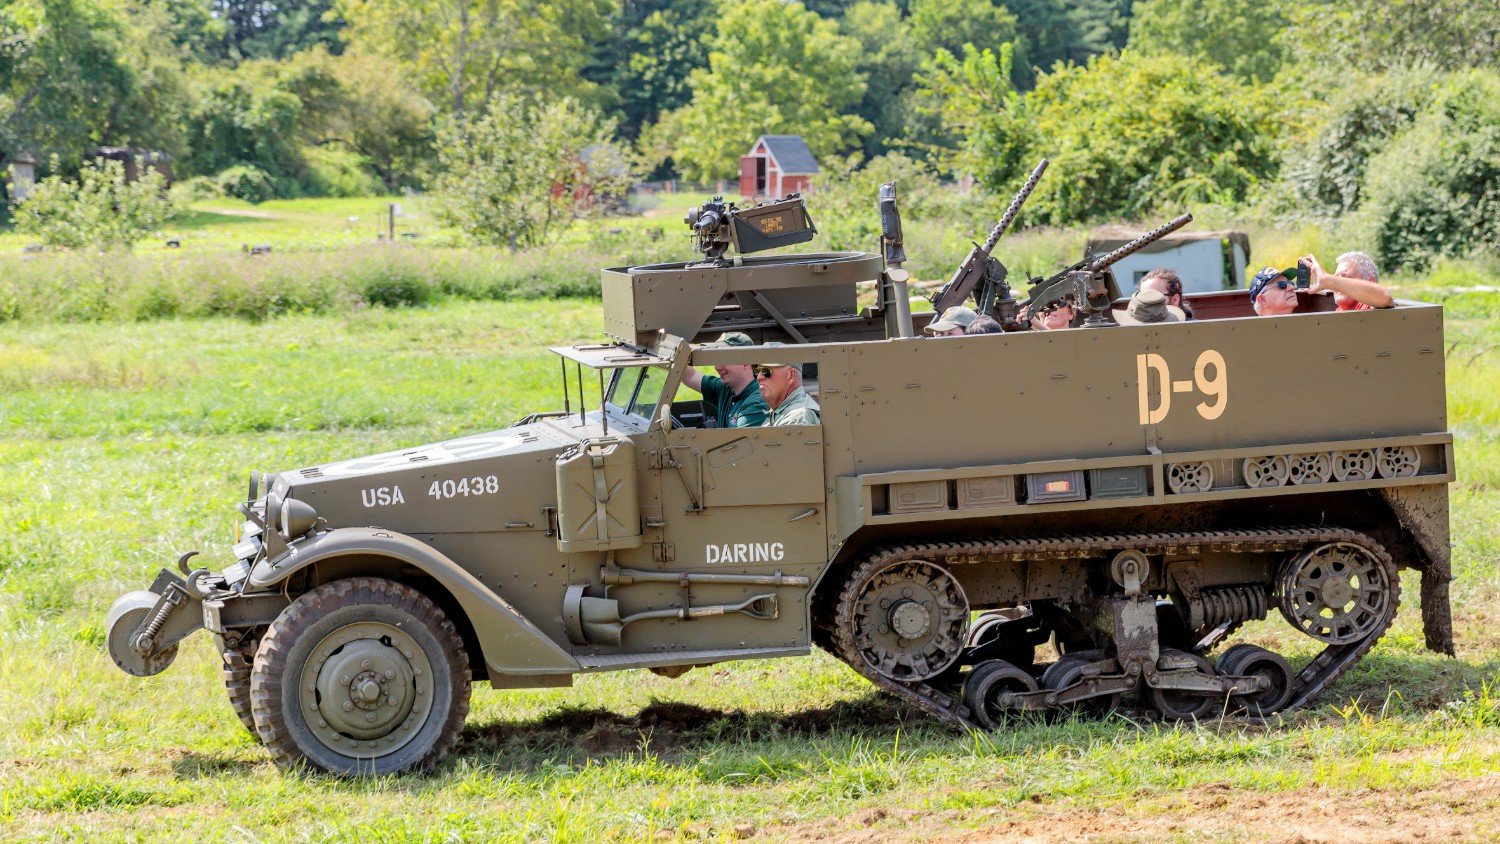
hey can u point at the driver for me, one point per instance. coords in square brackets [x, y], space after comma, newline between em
[733, 397]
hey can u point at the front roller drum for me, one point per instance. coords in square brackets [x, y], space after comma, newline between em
[360, 677]
[122, 624]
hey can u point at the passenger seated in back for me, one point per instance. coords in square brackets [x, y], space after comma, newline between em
[952, 322]
[1056, 317]
[1272, 293]
[1148, 307]
[984, 325]
[1169, 284]
[1354, 281]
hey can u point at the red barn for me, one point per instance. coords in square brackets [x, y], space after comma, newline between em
[776, 166]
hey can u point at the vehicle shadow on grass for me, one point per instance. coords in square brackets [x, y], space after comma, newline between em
[1417, 683]
[669, 729]
[1420, 681]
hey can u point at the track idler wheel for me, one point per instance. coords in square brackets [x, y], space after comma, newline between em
[1254, 661]
[1180, 705]
[1337, 593]
[987, 682]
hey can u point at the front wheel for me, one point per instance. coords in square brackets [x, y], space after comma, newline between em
[360, 677]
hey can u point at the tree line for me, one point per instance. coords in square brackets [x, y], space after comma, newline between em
[1381, 110]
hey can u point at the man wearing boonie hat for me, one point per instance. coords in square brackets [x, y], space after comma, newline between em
[1272, 293]
[952, 323]
[781, 384]
[733, 397]
[1148, 307]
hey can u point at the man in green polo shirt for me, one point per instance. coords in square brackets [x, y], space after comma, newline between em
[733, 397]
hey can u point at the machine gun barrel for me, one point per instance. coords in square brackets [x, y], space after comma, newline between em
[971, 272]
[1015, 207]
[1104, 262]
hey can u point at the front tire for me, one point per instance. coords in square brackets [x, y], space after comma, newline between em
[360, 677]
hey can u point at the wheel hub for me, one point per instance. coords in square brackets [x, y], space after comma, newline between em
[1337, 592]
[371, 688]
[910, 619]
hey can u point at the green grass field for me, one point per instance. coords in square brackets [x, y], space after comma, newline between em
[125, 443]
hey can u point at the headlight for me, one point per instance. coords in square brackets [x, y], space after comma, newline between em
[296, 518]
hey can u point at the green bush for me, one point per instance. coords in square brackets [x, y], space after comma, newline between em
[247, 182]
[195, 189]
[339, 172]
[520, 174]
[99, 209]
[1322, 176]
[1128, 135]
[1435, 191]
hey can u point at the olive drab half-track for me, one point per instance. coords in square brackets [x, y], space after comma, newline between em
[980, 525]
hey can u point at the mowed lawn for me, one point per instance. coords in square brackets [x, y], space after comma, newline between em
[123, 445]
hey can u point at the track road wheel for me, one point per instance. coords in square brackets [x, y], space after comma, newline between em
[1252, 661]
[360, 677]
[1069, 670]
[987, 682]
[1177, 705]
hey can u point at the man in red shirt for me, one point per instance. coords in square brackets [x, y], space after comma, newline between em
[1354, 281]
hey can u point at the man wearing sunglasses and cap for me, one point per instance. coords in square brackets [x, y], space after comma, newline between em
[1272, 293]
[781, 384]
[733, 396]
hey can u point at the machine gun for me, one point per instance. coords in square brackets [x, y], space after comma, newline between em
[980, 269]
[1089, 283]
[718, 225]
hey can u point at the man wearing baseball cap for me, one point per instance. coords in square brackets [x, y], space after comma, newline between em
[952, 323]
[733, 397]
[1272, 293]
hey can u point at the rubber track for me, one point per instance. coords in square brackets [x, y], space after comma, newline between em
[1313, 679]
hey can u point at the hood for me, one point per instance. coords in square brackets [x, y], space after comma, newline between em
[471, 484]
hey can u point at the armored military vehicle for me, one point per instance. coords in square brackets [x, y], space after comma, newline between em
[983, 525]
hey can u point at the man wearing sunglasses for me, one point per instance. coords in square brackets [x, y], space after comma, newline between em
[1272, 293]
[781, 384]
[733, 397]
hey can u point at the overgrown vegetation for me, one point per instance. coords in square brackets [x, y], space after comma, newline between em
[99, 210]
[1269, 110]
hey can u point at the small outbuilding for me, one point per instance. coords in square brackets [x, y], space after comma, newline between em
[1206, 261]
[775, 166]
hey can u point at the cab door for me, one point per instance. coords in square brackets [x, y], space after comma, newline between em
[735, 501]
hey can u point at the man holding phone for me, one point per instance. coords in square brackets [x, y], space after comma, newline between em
[1354, 281]
[1353, 284]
